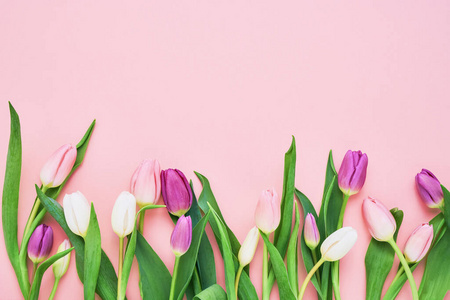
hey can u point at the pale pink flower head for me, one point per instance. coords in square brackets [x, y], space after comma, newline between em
[267, 214]
[418, 243]
[146, 183]
[379, 220]
[58, 166]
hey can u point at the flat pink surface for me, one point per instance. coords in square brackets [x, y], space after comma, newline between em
[219, 87]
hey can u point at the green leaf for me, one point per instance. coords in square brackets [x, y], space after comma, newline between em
[187, 261]
[292, 254]
[107, 278]
[395, 287]
[130, 251]
[379, 260]
[34, 294]
[214, 292]
[227, 257]
[92, 256]
[284, 288]
[155, 277]
[283, 232]
[10, 199]
[306, 252]
[206, 266]
[436, 282]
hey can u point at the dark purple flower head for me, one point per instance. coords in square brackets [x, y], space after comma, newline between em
[176, 192]
[40, 243]
[181, 238]
[352, 174]
[429, 189]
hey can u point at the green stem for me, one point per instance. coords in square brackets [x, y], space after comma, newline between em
[341, 214]
[55, 286]
[314, 256]
[398, 275]
[34, 270]
[238, 276]
[34, 211]
[174, 278]
[196, 282]
[141, 222]
[308, 278]
[265, 285]
[120, 267]
[406, 267]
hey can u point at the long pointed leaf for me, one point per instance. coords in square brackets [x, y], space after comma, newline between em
[92, 256]
[292, 254]
[214, 292]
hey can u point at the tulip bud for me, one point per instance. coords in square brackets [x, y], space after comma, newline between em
[248, 248]
[146, 183]
[176, 192]
[311, 232]
[77, 211]
[58, 166]
[429, 189]
[181, 237]
[267, 214]
[61, 265]
[123, 214]
[40, 243]
[418, 243]
[379, 220]
[352, 172]
[338, 244]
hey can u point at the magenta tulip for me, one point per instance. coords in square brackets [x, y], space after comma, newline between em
[311, 232]
[418, 243]
[58, 166]
[267, 214]
[146, 183]
[176, 192]
[40, 243]
[378, 219]
[352, 173]
[429, 189]
[181, 238]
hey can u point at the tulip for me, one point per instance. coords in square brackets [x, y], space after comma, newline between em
[333, 248]
[181, 237]
[379, 220]
[429, 189]
[311, 232]
[123, 214]
[352, 172]
[267, 214]
[40, 243]
[248, 248]
[176, 192]
[338, 244]
[61, 265]
[77, 211]
[146, 183]
[418, 243]
[58, 166]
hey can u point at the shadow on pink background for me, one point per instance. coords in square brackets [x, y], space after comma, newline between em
[220, 87]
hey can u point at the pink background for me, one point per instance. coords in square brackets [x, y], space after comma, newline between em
[219, 87]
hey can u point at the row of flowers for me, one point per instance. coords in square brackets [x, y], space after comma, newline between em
[323, 240]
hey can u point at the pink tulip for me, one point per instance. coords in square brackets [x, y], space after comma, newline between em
[58, 166]
[379, 219]
[311, 232]
[267, 214]
[181, 237]
[418, 243]
[146, 183]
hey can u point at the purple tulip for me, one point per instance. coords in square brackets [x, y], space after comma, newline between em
[176, 192]
[429, 189]
[352, 173]
[311, 232]
[40, 243]
[181, 237]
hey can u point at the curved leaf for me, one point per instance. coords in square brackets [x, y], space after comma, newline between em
[292, 254]
[214, 292]
[34, 294]
[379, 260]
[107, 278]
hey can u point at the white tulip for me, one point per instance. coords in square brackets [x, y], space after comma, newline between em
[123, 214]
[77, 211]
[338, 244]
[248, 248]
[61, 265]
